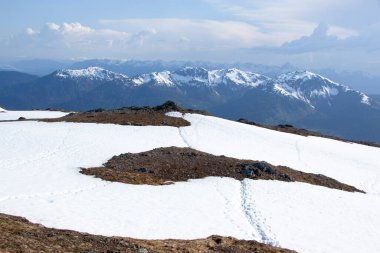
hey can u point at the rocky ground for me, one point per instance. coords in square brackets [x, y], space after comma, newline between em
[19, 235]
[136, 116]
[165, 165]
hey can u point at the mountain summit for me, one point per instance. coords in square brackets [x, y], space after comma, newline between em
[91, 73]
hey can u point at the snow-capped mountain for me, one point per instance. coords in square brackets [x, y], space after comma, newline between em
[2, 110]
[91, 73]
[196, 77]
[300, 98]
[313, 88]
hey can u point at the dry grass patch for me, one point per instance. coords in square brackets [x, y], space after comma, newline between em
[163, 165]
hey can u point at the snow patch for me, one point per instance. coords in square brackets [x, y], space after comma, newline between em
[236, 77]
[365, 99]
[163, 78]
[174, 114]
[325, 91]
[158, 79]
[15, 115]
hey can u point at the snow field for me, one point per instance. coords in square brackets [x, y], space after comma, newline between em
[39, 180]
[315, 219]
[353, 164]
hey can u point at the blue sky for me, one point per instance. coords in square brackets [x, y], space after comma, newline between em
[344, 34]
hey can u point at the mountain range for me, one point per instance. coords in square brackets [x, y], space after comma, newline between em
[358, 80]
[300, 98]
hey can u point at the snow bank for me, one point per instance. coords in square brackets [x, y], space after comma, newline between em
[14, 115]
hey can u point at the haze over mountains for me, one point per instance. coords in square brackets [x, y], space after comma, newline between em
[300, 98]
[358, 80]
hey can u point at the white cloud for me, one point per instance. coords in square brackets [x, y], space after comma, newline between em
[76, 28]
[341, 32]
[30, 31]
[66, 40]
[202, 33]
[140, 37]
[292, 19]
[53, 26]
[268, 32]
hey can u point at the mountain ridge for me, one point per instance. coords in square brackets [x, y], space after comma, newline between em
[301, 98]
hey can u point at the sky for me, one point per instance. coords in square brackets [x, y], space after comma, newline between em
[340, 34]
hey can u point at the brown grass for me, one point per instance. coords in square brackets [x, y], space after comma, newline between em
[165, 165]
[136, 116]
[19, 235]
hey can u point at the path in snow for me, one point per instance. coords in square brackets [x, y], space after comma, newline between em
[259, 232]
[310, 218]
[253, 215]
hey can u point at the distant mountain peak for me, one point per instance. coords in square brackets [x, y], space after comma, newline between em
[2, 110]
[244, 78]
[304, 75]
[309, 86]
[196, 76]
[92, 73]
[156, 78]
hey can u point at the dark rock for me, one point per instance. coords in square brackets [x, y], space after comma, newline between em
[287, 178]
[270, 171]
[245, 121]
[144, 170]
[217, 240]
[257, 172]
[142, 250]
[247, 172]
[168, 105]
[21, 118]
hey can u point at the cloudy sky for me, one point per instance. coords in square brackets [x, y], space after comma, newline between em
[344, 34]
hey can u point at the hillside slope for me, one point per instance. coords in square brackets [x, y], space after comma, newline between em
[40, 180]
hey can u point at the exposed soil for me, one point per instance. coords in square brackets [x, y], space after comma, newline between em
[19, 235]
[136, 116]
[304, 132]
[165, 165]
